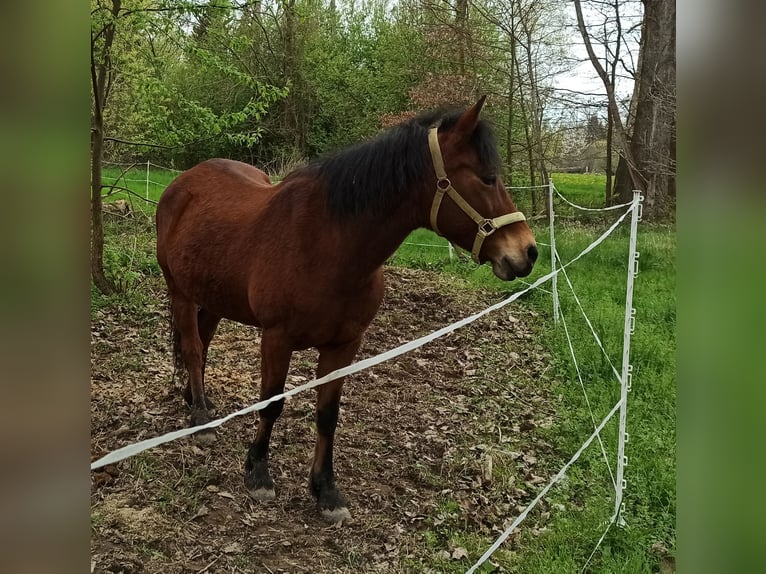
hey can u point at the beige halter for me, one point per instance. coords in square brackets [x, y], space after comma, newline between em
[443, 185]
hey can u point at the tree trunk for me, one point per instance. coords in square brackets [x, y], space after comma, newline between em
[653, 138]
[536, 155]
[294, 121]
[525, 122]
[100, 71]
[614, 111]
[608, 190]
[537, 126]
[96, 215]
[509, 133]
[461, 23]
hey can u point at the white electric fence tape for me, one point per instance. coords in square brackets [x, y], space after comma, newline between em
[502, 538]
[582, 208]
[600, 540]
[132, 180]
[587, 321]
[135, 448]
[541, 186]
[141, 165]
[634, 210]
[585, 394]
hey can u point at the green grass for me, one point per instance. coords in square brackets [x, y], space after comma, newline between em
[586, 189]
[136, 179]
[599, 279]
[129, 247]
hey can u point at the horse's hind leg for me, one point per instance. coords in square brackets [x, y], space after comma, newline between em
[207, 323]
[186, 325]
[331, 503]
[275, 361]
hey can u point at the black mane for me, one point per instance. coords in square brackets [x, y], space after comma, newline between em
[374, 176]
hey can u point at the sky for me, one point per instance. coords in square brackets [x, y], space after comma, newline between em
[582, 77]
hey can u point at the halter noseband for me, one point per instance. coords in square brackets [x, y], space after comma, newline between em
[443, 185]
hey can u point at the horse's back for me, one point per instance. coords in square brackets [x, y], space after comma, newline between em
[217, 189]
[214, 179]
[203, 218]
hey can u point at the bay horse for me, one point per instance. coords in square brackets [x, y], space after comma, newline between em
[303, 259]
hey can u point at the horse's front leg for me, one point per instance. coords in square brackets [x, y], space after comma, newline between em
[275, 361]
[331, 503]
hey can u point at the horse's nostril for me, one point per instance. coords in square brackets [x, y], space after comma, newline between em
[532, 253]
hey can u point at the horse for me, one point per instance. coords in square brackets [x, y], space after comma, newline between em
[303, 259]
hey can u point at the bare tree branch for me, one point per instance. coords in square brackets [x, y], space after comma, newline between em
[620, 131]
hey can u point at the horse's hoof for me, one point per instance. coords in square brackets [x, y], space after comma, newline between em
[205, 437]
[262, 494]
[336, 515]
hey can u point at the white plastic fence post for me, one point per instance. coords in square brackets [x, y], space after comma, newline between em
[554, 283]
[627, 375]
[147, 180]
[451, 250]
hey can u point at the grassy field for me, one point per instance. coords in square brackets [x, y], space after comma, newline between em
[580, 506]
[647, 543]
[135, 179]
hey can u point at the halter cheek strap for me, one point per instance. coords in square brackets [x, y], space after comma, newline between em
[486, 227]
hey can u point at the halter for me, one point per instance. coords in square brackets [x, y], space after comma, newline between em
[486, 227]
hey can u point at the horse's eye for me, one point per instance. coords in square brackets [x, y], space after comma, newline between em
[489, 180]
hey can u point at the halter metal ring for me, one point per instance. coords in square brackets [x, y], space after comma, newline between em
[443, 183]
[487, 227]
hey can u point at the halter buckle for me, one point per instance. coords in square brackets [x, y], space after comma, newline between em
[487, 228]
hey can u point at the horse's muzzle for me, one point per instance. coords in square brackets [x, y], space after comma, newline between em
[507, 269]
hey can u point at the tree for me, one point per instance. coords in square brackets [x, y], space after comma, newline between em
[157, 71]
[647, 140]
[595, 130]
[359, 68]
[523, 52]
[653, 138]
[103, 28]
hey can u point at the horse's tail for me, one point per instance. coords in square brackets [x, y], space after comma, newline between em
[175, 336]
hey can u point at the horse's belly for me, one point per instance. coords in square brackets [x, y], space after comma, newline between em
[328, 320]
[224, 295]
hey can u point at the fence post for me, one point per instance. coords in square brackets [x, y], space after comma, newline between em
[147, 180]
[627, 368]
[554, 282]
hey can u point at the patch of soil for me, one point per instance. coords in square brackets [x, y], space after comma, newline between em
[443, 436]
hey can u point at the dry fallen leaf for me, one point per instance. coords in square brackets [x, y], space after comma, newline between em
[667, 565]
[233, 548]
[225, 494]
[459, 553]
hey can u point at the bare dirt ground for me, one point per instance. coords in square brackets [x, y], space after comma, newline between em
[442, 440]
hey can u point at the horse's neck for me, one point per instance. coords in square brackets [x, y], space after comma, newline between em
[370, 241]
[359, 244]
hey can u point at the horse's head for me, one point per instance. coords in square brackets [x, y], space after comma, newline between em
[471, 207]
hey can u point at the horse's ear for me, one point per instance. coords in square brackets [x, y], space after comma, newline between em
[467, 122]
